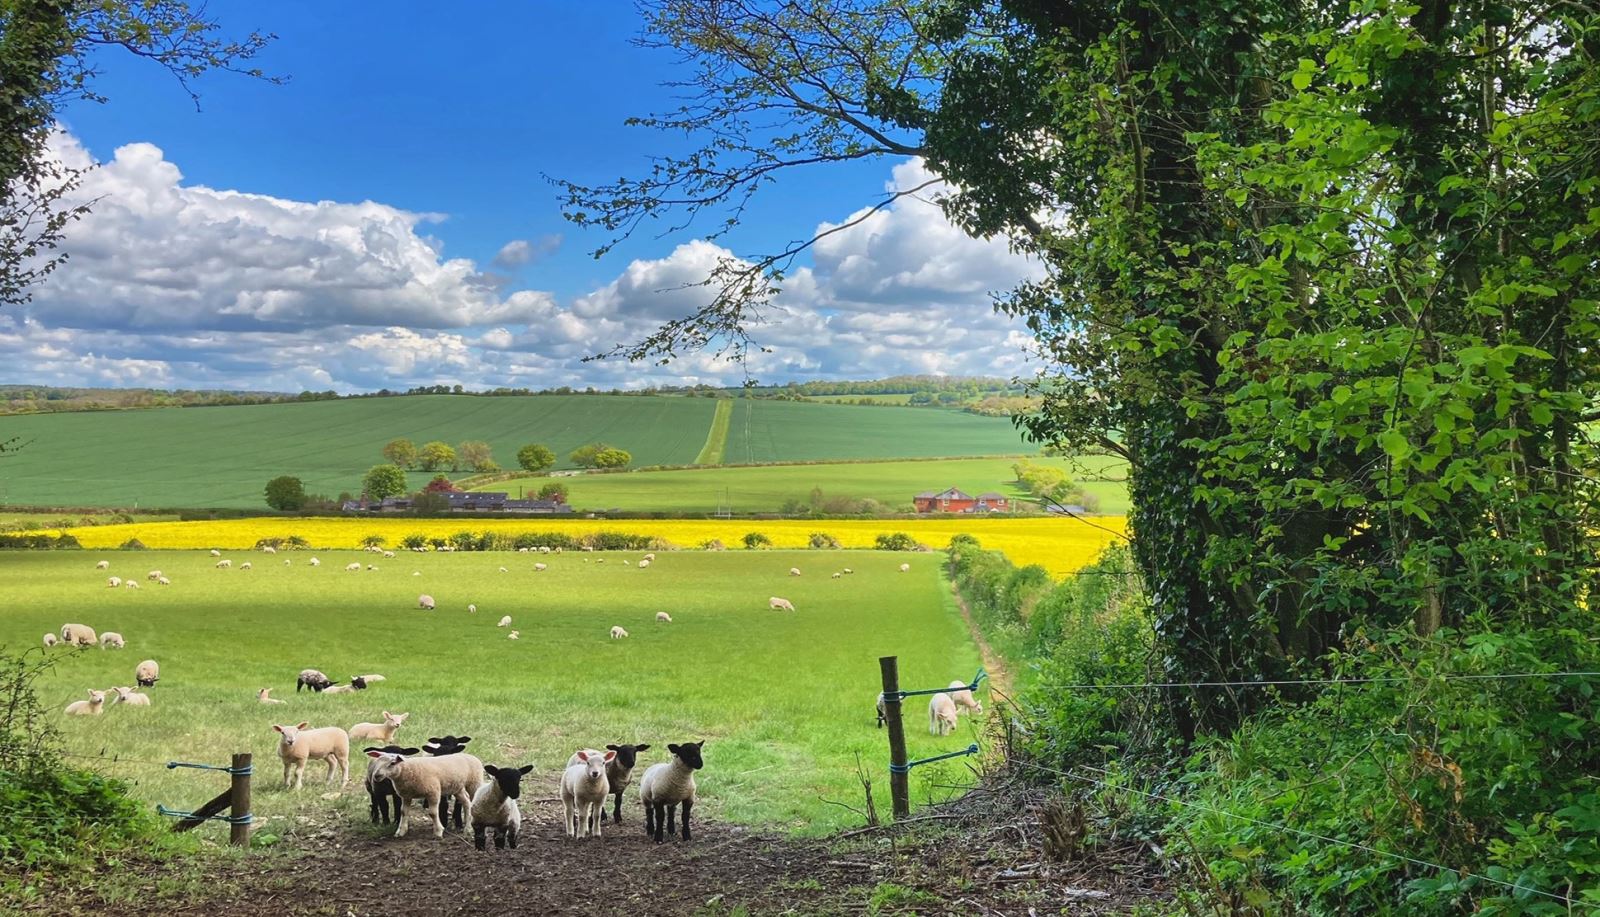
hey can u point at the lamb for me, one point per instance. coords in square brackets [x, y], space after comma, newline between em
[315, 563]
[382, 732]
[164, 581]
[540, 568]
[131, 584]
[340, 689]
[352, 567]
[778, 604]
[389, 555]
[665, 785]
[619, 773]
[130, 697]
[847, 571]
[472, 609]
[49, 640]
[111, 639]
[287, 562]
[430, 779]
[584, 789]
[147, 673]
[367, 679]
[651, 556]
[265, 697]
[504, 622]
[268, 549]
[379, 791]
[905, 568]
[215, 553]
[153, 575]
[245, 565]
[663, 617]
[103, 565]
[425, 602]
[313, 679]
[94, 706]
[224, 564]
[494, 805]
[504, 570]
[837, 575]
[643, 564]
[794, 571]
[941, 714]
[113, 582]
[961, 694]
[78, 634]
[514, 635]
[299, 745]
[617, 633]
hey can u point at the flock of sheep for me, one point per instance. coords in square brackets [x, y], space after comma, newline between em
[145, 674]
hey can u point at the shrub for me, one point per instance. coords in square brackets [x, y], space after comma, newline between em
[38, 541]
[714, 544]
[414, 541]
[374, 541]
[612, 458]
[754, 540]
[465, 541]
[824, 541]
[899, 541]
[132, 544]
[619, 541]
[282, 543]
[534, 457]
[535, 540]
[554, 490]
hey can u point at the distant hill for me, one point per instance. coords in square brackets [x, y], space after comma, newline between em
[222, 456]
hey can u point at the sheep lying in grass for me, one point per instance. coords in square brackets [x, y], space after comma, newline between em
[494, 805]
[147, 673]
[49, 640]
[265, 697]
[94, 706]
[584, 789]
[425, 602]
[905, 568]
[389, 554]
[504, 570]
[961, 694]
[514, 635]
[341, 689]
[103, 565]
[643, 564]
[78, 635]
[504, 622]
[112, 582]
[617, 633]
[663, 617]
[778, 604]
[367, 679]
[299, 745]
[315, 563]
[431, 780]
[112, 640]
[130, 697]
[619, 773]
[665, 785]
[540, 568]
[313, 679]
[215, 553]
[382, 732]
[794, 571]
[941, 714]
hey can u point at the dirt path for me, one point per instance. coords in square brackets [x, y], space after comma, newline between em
[992, 663]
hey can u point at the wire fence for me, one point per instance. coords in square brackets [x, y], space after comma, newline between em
[1285, 682]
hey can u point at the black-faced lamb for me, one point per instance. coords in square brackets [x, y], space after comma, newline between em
[431, 780]
[298, 745]
[147, 673]
[313, 679]
[494, 805]
[380, 791]
[665, 785]
[619, 773]
[584, 789]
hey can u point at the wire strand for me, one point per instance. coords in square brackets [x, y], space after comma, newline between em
[1381, 679]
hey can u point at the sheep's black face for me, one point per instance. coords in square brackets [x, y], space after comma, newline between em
[628, 755]
[689, 754]
[360, 684]
[508, 778]
[392, 750]
[446, 745]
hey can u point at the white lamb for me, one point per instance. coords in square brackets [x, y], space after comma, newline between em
[94, 706]
[494, 805]
[425, 602]
[49, 640]
[905, 568]
[111, 640]
[389, 554]
[643, 564]
[352, 567]
[514, 635]
[778, 604]
[667, 784]
[103, 565]
[504, 570]
[215, 553]
[299, 745]
[164, 581]
[617, 633]
[540, 568]
[245, 565]
[504, 622]
[847, 571]
[584, 788]
[941, 714]
[265, 697]
[315, 563]
[78, 635]
[368, 679]
[382, 732]
[113, 582]
[837, 575]
[224, 564]
[794, 571]
[663, 617]
[147, 673]
[961, 693]
[131, 584]
[454, 776]
[472, 609]
[268, 549]
[130, 697]
[153, 575]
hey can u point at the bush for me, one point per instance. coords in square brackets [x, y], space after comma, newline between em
[283, 543]
[552, 540]
[554, 490]
[612, 458]
[899, 541]
[824, 541]
[465, 541]
[534, 457]
[374, 541]
[414, 541]
[132, 544]
[754, 540]
[620, 541]
[714, 544]
[37, 541]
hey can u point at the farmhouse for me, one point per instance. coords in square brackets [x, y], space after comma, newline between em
[466, 502]
[956, 500]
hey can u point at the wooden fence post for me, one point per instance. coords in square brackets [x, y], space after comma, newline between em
[899, 780]
[239, 800]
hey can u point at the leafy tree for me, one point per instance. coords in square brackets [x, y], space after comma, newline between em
[754, 540]
[402, 452]
[440, 484]
[588, 456]
[286, 493]
[534, 457]
[554, 490]
[475, 454]
[436, 455]
[373, 541]
[612, 458]
[824, 541]
[383, 481]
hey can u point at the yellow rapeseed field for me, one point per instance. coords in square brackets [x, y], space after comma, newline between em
[1061, 545]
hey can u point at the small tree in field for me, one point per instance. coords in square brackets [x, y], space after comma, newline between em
[286, 493]
[374, 541]
[384, 481]
[475, 454]
[585, 456]
[534, 457]
[440, 485]
[612, 458]
[436, 456]
[402, 452]
[554, 491]
[754, 540]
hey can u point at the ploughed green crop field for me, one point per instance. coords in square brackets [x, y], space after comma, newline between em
[765, 489]
[783, 700]
[223, 456]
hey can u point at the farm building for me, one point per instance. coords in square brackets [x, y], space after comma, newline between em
[956, 500]
[466, 502]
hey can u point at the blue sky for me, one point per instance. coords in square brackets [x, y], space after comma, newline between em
[208, 263]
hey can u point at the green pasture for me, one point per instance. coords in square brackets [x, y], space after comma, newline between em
[797, 431]
[784, 701]
[892, 398]
[766, 488]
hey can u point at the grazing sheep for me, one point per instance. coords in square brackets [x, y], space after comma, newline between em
[380, 790]
[941, 714]
[49, 640]
[540, 568]
[352, 567]
[130, 697]
[643, 564]
[619, 773]
[389, 554]
[113, 582]
[617, 633]
[265, 697]
[837, 575]
[961, 693]
[847, 571]
[472, 609]
[153, 575]
[584, 789]
[103, 565]
[504, 622]
[905, 568]
[224, 564]
[494, 805]
[514, 635]
[431, 780]
[778, 604]
[425, 602]
[315, 563]
[164, 581]
[78, 634]
[313, 679]
[794, 571]
[131, 584]
[245, 565]
[147, 673]
[504, 570]
[268, 549]
[663, 617]
[215, 553]
[112, 640]
[880, 710]
[382, 732]
[299, 745]
[665, 785]
[650, 556]
[94, 706]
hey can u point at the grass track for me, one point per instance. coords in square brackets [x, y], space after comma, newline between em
[717, 439]
[784, 700]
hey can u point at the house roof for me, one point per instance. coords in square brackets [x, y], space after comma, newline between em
[991, 496]
[926, 495]
[954, 493]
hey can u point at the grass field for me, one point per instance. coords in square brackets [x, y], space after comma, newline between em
[223, 456]
[763, 489]
[1060, 545]
[784, 701]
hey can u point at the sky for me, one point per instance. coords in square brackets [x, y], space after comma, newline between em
[384, 218]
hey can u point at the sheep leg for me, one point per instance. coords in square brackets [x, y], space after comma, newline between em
[513, 833]
[287, 765]
[687, 805]
[569, 820]
[477, 837]
[661, 817]
[444, 813]
[402, 820]
[616, 815]
[462, 796]
[649, 819]
[672, 812]
[333, 768]
[596, 810]
[432, 805]
[499, 837]
[300, 774]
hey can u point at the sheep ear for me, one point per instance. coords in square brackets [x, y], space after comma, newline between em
[387, 714]
[672, 748]
[641, 748]
[583, 756]
[610, 756]
[302, 725]
[700, 744]
[613, 748]
[462, 740]
[491, 769]
[276, 728]
[409, 751]
[374, 753]
[525, 770]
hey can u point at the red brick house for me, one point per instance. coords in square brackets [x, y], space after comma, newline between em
[956, 500]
